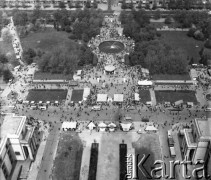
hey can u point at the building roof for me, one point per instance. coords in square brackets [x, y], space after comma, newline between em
[102, 97]
[189, 138]
[202, 126]
[118, 97]
[12, 124]
[145, 83]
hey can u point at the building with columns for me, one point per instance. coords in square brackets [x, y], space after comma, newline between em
[18, 143]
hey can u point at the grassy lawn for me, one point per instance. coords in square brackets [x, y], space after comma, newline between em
[49, 76]
[181, 40]
[6, 48]
[47, 95]
[147, 144]
[77, 95]
[46, 40]
[170, 77]
[172, 96]
[67, 163]
[144, 96]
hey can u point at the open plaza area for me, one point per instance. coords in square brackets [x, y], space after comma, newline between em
[104, 94]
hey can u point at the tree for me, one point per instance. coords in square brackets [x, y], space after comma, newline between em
[95, 60]
[109, 4]
[62, 5]
[124, 5]
[157, 14]
[88, 4]
[28, 55]
[168, 20]
[207, 43]
[3, 59]
[6, 35]
[20, 18]
[7, 75]
[154, 6]
[191, 61]
[95, 4]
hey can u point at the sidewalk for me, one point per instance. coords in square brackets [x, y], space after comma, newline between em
[36, 164]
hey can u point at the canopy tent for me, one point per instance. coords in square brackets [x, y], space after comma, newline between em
[136, 97]
[190, 104]
[76, 78]
[110, 68]
[91, 125]
[112, 125]
[126, 126]
[102, 97]
[86, 93]
[145, 83]
[177, 103]
[102, 126]
[110, 99]
[69, 125]
[144, 70]
[118, 97]
[79, 72]
[151, 128]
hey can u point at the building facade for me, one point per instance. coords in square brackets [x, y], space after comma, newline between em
[18, 143]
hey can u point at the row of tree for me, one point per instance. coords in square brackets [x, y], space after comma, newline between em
[149, 52]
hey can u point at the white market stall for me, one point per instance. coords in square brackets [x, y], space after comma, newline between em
[86, 93]
[112, 127]
[126, 126]
[79, 72]
[69, 125]
[91, 126]
[118, 97]
[109, 68]
[151, 128]
[102, 126]
[136, 97]
[102, 97]
[145, 83]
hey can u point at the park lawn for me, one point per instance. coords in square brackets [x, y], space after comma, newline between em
[6, 48]
[144, 96]
[46, 40]
[50, 76]
[51, 95]
[147, 144]
[67, 163]
[180, 40]
[172, 96]
[171, 77]
[77, 95]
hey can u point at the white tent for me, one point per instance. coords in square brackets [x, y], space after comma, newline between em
[110, 99]
[136, 97]
[102, 126]
[76, 78]
[69, 125]
[145, 71]
[151, 128]
[110, 68]
[126, 126]
[79, 72]
[145, 83]
[91, 125]
[118, 97]
[102, 97]
[111, 125]
[86, 93]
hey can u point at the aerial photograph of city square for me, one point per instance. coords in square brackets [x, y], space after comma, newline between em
[105, 89]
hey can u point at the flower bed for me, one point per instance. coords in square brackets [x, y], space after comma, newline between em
[122, 161]
[93, 162]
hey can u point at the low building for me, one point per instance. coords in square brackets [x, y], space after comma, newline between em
[18, 143]
[196, 141]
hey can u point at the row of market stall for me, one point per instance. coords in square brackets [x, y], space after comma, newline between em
[124, 126]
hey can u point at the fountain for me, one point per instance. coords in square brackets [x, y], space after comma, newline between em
[111, 47]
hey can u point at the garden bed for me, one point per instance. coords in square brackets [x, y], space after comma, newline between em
[77, 95]
[172, 96]
[144, 96]
[67, 163]
[47, 95]
[122, 161]
[93, 161]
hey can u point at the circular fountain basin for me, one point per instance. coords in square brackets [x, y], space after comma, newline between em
[111, 47]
